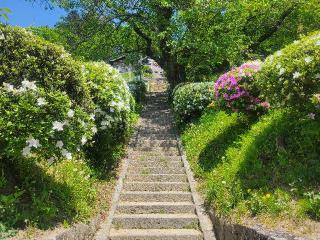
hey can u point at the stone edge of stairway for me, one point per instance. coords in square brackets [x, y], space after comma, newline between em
[204, 218]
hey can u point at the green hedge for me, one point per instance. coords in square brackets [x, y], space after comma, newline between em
[26, 56]
[291, 77]
[113, 112]
[54, 109]
[190, 100]
[138, 89]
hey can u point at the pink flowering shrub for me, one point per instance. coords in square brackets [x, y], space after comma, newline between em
[233, 90]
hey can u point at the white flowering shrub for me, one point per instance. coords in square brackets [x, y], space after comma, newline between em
[190, 100]
[114, 107]
[291, 77]
[27, 56]
[41, 124]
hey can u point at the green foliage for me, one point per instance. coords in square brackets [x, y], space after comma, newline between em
[28, 119]
[4, 13]
[54, 109]
[290, 77]
[311, 204]
[215, 35]
[63, 191]
[147, 71]
[264, 168]
[138, 89]
[190, 100]
[113, 112]
[26, 56]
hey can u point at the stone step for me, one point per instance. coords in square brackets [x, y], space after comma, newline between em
[155, 234]
[156, 186]
[155, 207]
[142, 153]
[156, 132]
[169, 196]
[166, 150]
[157, 143]
[159, 158]
[155, 221]
[156, 170]
[157, 177]
[159, 163]
[143, 136]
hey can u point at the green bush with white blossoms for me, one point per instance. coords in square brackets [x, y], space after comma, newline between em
[190, 100]
[61, 121]
[114, 106]
[42, 124]
[291, 76]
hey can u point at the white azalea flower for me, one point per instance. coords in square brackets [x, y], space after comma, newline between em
[29, 85]
[58, 126]
[66, 154]
[8, 87]
[70, 113]
[59, 144]
[26, 151]
[84, 140]
[296, 75]
[311, 116]
[103, 127]
[112, 110]
[318, 76]
[2, 36]
[51, 160]
[94, 130]
[308, 59]
[41, 101]
[278, 66]
[92, 117]
[33, 143]
[105, 123]
[318, 43]
[113, 103]
[282, 71]
[279, 53]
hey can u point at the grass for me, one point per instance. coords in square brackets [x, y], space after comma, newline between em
[267, 169]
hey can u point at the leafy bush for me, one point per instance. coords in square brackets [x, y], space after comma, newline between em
[138, 89]
[46, 194]
[113, 112]
[190, 100]
[233, 89]
[264, 168]
[26, 56]
[39, 123]
[291, 77]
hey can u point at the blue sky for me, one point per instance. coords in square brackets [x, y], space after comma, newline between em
[26, 14]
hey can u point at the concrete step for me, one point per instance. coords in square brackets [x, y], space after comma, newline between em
[143, 136]
[156, 186]
[157, 143]
[156, 170]
[169, 196]
[135, 153]
[155, 158]
[157, 177]
[171, 150]
[159, 163]
[155, 221]
[155, 207]
[155, 234]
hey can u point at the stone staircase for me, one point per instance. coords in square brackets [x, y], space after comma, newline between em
[155, 200]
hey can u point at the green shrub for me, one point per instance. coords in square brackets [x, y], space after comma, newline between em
[113, 113]
[45, 195]
[138, 89]
[39, 123]
[26, 56]
[290, 77]
[239, 166]
[190, 100]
